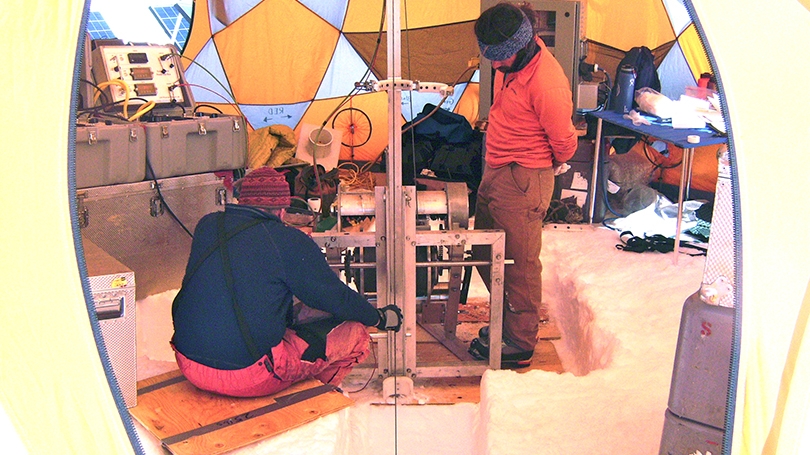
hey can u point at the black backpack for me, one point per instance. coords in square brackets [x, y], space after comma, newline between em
[641, 59]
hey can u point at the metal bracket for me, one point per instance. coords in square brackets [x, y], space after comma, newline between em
[403, 347]
[155, 206]
[221, 197]
[155, 203]
[409, 85]
[81, 210]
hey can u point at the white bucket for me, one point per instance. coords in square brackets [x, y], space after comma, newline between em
[320, 142]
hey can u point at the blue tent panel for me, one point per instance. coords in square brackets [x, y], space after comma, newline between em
[345, 68]
[675, 73]
[333, 11]
[260, 116]
[209, 83]
[678, 15]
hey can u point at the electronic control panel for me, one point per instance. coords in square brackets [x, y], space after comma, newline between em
[138, 74]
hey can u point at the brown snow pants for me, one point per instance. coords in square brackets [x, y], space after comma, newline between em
[515, 199]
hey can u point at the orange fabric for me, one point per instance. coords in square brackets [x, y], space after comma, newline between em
[617, 23]
[530, 118]
[364, 15]
[267, 71]
[704, 168]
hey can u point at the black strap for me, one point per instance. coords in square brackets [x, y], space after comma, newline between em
[207, 253]
[228, 272]
[222, 239]
[656, 242]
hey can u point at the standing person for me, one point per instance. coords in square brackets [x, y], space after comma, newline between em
[235, 329]
[530, 136]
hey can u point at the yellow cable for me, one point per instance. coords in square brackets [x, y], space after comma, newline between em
[119, 83]
[142, 110]
[355, 178]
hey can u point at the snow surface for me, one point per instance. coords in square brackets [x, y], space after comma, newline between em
[619, 314]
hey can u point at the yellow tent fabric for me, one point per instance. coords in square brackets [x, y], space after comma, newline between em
[52, 384]
[294, 62]
[794, 397]
[301, 68]
[773, 206]
[281, 48]
[626, 24]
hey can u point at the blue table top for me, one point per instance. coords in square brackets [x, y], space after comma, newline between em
[664, 131]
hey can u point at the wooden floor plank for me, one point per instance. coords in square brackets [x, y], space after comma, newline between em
[190, 421]
[451, 390]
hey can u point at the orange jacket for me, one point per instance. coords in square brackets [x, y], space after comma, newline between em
[530, 117]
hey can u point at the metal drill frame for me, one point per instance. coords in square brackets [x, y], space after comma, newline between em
[396, 239]
[396, 352]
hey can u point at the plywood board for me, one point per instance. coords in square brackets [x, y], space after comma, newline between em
[189, 421]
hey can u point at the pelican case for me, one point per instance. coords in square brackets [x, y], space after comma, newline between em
[109, 154]
[135, 224]
[193, 145]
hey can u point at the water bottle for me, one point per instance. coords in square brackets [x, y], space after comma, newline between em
[621, 100]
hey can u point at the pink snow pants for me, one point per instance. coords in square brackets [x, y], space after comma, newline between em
[346, 345]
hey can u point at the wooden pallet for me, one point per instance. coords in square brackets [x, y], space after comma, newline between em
[189, 421]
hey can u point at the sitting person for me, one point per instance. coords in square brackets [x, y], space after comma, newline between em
[234, 324]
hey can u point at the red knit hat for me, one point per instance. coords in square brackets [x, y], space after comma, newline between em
[264, 186]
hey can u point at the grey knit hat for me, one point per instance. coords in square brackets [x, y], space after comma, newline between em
[502, 31]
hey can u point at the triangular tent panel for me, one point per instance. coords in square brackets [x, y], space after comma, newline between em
[344, 70]
[210, 82]
[333, 12]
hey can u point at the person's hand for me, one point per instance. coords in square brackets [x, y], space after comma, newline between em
[390, 318]
[561, 168]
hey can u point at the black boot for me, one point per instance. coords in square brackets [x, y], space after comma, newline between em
[511, 355]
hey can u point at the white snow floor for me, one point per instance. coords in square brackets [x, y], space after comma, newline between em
[619, 315]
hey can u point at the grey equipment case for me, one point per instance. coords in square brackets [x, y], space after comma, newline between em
[192, 145]
[133, 223]
[109, 154]
[113, 288]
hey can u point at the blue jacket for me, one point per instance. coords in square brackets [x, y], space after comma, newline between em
[270, 263]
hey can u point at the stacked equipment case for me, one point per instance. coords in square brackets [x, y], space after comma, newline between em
[148, 166]
[113, 288]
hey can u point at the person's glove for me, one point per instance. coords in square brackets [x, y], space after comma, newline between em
[390, 318]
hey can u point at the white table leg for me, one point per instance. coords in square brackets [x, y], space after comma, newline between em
[595, 170]
[683, 186]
